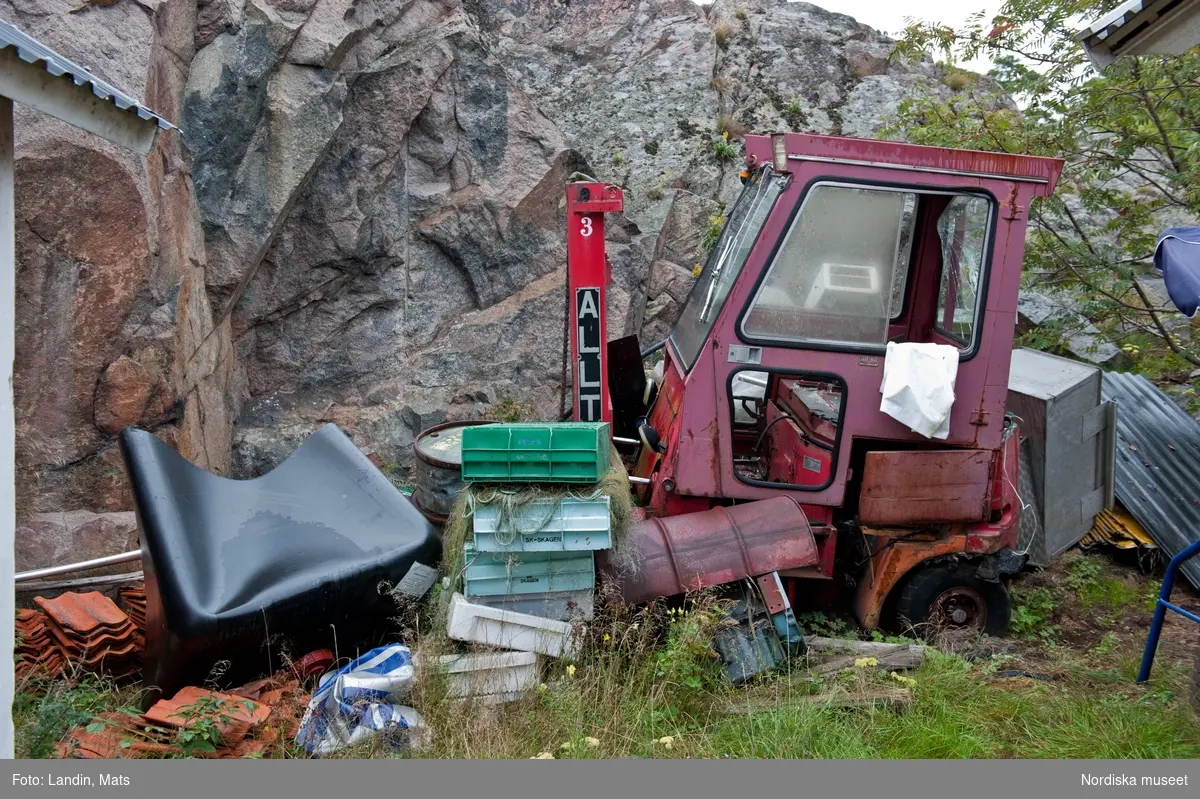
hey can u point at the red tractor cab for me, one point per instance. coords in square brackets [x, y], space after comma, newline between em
[771, 378]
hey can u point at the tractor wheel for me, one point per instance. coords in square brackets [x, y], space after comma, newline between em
[951, 595]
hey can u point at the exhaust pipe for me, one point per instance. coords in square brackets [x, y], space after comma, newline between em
[68, 568]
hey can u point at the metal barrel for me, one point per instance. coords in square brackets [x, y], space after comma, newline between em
[437, 470]
[677, 554]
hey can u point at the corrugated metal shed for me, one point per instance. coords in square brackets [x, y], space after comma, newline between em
[1158, 464]
[1143, 27]
[1113, 21]
[32, 51]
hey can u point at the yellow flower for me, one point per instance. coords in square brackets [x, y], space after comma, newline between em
[543, 756]
[607, 638]
[696, 270]
[592, 742]
[571, 670]
[903, 680]
[725, 136]
[543, 687]
[862, 663]
[667, 741]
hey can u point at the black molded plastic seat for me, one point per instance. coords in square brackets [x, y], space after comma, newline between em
[295, 557]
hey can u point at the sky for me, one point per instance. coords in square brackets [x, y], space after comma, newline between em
[888, 15]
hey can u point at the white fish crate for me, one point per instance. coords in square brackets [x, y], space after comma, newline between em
[485, 676]
[479, 624]
[544, 525]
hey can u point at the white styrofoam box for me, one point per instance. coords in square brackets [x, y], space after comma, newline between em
[480, 624]
[486, 674]
[544, 525]
[561, 605]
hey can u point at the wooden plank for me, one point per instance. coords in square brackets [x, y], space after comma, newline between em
[902, 660]
[817, 643]
[831, 655]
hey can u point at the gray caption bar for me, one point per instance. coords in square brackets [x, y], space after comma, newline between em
[602, 779]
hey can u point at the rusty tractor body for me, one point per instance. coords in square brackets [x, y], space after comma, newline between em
[771, 377]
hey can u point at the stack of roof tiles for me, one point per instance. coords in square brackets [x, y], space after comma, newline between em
[91, 631]
[133, 599]
[36, 651]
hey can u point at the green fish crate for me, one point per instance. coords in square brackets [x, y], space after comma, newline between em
[509, 573]
[562, 452]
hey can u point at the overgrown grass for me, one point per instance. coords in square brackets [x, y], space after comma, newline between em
[625, 702]
[43, 710]
[1095, 589]
[648, 685]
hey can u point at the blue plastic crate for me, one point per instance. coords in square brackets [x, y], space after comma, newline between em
[545, 525]
[506, 573]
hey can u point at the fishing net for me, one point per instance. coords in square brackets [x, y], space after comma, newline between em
[536, 501]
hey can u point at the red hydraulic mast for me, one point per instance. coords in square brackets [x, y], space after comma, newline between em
[587, 284]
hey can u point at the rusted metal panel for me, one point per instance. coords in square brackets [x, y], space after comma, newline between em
[838, 149]
[888, 568]
[926, 487]
[669, 556]
[772, 594]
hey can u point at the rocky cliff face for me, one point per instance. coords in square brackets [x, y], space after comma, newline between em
[363, 219]
[114, 325]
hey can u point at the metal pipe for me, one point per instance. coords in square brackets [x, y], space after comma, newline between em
[95, 563]
[645, 480]
[1162, 606]
[619, 440]
[653, 348]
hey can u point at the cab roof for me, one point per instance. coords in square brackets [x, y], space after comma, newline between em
[1044, 172]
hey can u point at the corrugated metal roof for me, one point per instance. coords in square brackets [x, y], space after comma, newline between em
[1158, 464]
[32, 51]
[1112, 21]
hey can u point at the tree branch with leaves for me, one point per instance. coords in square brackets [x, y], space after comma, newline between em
[1130, 137]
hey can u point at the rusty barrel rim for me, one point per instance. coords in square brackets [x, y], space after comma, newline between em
[433, 518]
[434, 431]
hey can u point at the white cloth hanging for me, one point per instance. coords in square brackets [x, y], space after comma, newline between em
[918, 386]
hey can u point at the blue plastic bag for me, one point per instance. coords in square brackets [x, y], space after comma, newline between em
[360, 701]
[1177, 256]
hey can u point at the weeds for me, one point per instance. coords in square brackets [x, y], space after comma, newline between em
[722, 149]
[1094, 589]
[729, 128]
[712, 232]
[817, 623]
[655, 192]
[793, 114]
[721, 33]
[43, 710]
[509, 409]
[1031, 612]
[956, 80]
[203, 721]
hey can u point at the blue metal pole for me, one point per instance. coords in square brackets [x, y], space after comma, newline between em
[1161, 607]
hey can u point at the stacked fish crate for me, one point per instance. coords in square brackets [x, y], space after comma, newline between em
[529, 573]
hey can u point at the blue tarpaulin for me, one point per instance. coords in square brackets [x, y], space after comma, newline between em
[1177, 256]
